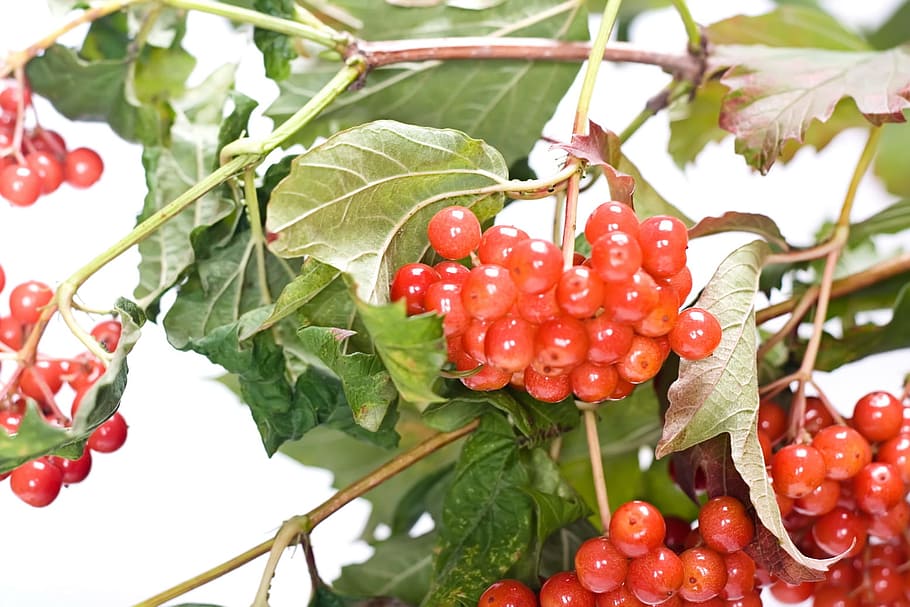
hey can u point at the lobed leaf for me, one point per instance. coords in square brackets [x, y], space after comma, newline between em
[489, 100]
[719, 394]
[382, 181]
[401, 567]
[735, 221]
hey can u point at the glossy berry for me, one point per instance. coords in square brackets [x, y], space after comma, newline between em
[592, 382]
[509, 344]
[37, 483]
[896, 452]
[535, 265]
[637, 528]
[507, 593]
[486, 379]
[27, 300]
[451, 271]
[621, 597]
[445, 298]
[878, 416]
[547, 388]
[600, 567]
[561, 343]
[497, 243]
[655, 576]
[488, 292]
[14, 94]
[609, 217]
[580, 292]
[20, 185]
[740, 575]
[109, 436]
[631, 300]
[797, 470]
[42, 380]
[410, 283]
[107, 333]
[616, 256]
[663, 317]
[11, 332]
[681, 283]
[642, 361]
[772, 419]
[725, 525]
[792, 593]
[844, 450]
[663, 240]
[75, 470]
[696, 335]
[563, 590]
[878, 487]
[821, 500]
[538, 308]
[838, 530]
[608, 339]
[704, 574]
[816, 416]
[48, 169]
[82, 167]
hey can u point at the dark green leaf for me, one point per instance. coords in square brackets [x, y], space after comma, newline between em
[277, 49]
[234, 126]
[487, 517]
[36, 437]
[381, 181]
[664, 492]
[170, 171]
[868, 339]
[895, 30]
[719, 394]
[891, 220]
[314, 277]
[367, 386]
[400, 567]
[775, 93]
[734, 221]
[94, 90]
[890, 161]
[485, 99]
[424, 496]
[412, 348]
[560, 548]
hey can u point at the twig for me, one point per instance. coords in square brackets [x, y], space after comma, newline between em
[597, 468]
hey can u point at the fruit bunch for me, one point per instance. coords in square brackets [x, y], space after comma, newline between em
[35, 161]
[645, 559]
[842, 490]
[41, 378]
[515, 313]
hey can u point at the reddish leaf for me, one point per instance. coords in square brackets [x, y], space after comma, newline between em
[601, 147]
[734, 221]
[775, 93]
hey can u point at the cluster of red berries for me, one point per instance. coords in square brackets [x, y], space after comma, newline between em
[647, 559]
[842, 490]
[35, 161]
[519, 316]
[40, 378]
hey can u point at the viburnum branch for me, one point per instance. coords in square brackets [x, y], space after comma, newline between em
[660, 101]
[251, 200]
[693, 32]
[306, 523]
[597, 468]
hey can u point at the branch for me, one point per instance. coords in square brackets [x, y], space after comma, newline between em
[386, 52]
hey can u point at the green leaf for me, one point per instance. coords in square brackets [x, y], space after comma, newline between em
[314, 277]
[277, 49]
[486, 99]
[36, 437]
[367, 386]
[412, 348]
[890, 220]
[719, 394]
[171, 170]
[895, 30]
[865, 340]
[890, 161]
[735, 221]
[775, 93]
[664, 493]
[400, 567]
[381, 181]
[560, 548]
[424, 496]
[694, 123]
[94, 90]
[487, 517]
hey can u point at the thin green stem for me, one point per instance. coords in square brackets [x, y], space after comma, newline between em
[862, 166]
[323, 36]
[347, 75]
[658, 102]
[693, 32]
[251, 199]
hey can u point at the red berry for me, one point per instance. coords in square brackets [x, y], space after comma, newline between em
[20, 185]
[507, 593]
[892, 524]
[42, 380]
[797, 470]
[792, 593]
[43, 140]
[82, 167]
[48, 169]
[655, 576]
[11, 332]
[600, 567]
[547, 388]
[878, 416]
[616, 256]
[631, 300]
[725, 525]
[696, 334]
[580, 292]
[451, 271]
[844, 450]
[487, 379]
[608, 340]
[642, 361]
[663, 241]
[109, 436]
[838, 530]
[2, 278]
[816, 415]
[611, 217]
[27, 300]
[12, 95]
[821, 500]
[107, 333]
[592, 382]
[878, 487]
[563, 589]
[740, 575]
[621, 597]
[538, 308]
[75, 470]
[37, 483]
[488, 292]
[410, 283]
[896, 451]
[535, 265]
[561, 343]
[663, 317]
[637, 528]
[497, 243]
[509, 344]
[772, 419]
[704, 574]
[681, 282]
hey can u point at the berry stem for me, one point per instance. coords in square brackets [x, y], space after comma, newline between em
[693, 32]
[673, 91]
[294, 527]
[251, 199]
[597, 468]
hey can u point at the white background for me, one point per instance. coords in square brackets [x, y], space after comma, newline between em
[192, 486]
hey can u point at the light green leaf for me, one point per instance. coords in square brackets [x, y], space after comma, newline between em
[890, 161]
[489, 100]
[400, 567]
[314, 277]
[719, 394]
[381, 181]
